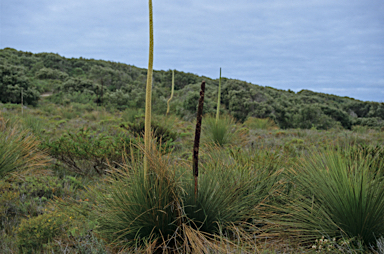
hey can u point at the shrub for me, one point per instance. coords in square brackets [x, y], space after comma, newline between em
[370, 122]
[34, 232]
[12, 82]
[87, 152]
[130, 115]
[260, 123]
[161, 131]
[8, 202]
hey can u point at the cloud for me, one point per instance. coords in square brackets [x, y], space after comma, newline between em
[312, 44]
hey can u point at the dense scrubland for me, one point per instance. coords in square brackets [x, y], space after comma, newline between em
[121, 86]
[280, 172]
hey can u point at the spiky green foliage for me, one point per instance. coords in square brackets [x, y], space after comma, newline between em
[19, 150]
[219, 131]
[134, 210]
[339, 194]
[232, 186]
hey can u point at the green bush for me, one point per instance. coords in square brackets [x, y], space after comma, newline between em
[371, 122]
[34, 232]
[130, 115]
[161, 132]
[260, 123]
[48, 73]
[8, 202]
[309, 116]
[87, 152]
[12, 82]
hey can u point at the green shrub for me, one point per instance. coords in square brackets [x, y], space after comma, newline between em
[13, 82]
[130, 115]
[161, 132]
[34, 232]
[8, 202]
[87, 152]
[260, 123]
[371, 122]
[40, 186]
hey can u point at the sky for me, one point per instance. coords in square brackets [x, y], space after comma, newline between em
[328, 46]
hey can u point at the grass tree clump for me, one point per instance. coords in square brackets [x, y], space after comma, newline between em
[219, 131]
[339, 194]
[136, 211]
[165, 214]
[19, 150]
[231, 191]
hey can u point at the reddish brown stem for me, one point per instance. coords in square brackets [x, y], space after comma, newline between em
[197, 137]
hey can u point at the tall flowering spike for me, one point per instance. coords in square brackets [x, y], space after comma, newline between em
[148, 97]
[173, 88]
[195, 156]
[218, 99]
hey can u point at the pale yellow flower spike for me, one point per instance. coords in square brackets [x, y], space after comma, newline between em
[148, 97]
[218, 99]
[173, 87]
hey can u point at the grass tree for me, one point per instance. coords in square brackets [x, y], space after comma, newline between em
[173, 88]
[195, 156]
[19, 150]
[148, 97]
[347, 200]
[218, 99]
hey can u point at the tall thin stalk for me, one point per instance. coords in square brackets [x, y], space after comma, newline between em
[173, 88]
[197, 137]
[147, 132]
[218, 99]
[22, 110]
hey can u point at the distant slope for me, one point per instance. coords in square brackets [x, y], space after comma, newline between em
[121, 86]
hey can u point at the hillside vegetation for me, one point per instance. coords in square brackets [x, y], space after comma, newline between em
[121, 86]
[279, 172]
